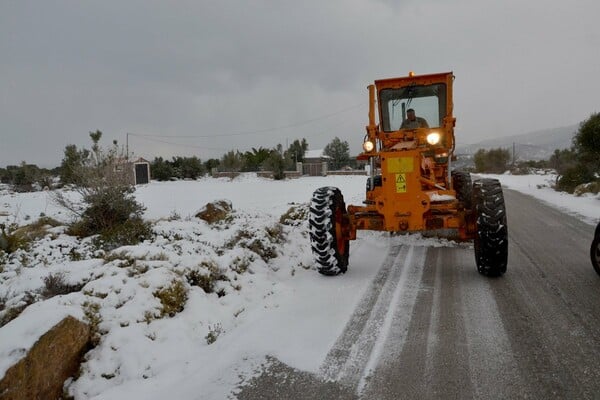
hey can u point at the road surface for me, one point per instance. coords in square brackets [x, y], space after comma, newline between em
[431, 327]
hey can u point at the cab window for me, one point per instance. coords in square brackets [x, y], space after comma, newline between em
[428, 101]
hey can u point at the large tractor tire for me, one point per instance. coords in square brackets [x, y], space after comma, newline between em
[491, 236]
[461, 182]
[595, 250]
[327, 219]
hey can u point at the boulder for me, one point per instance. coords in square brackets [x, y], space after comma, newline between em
[215, 211]
[592, 187]
[51, 360]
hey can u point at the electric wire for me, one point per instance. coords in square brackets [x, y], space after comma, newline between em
[259, 131]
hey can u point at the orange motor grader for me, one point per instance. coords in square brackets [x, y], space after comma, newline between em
[411, 185]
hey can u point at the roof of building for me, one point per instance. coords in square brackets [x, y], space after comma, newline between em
[315, 154]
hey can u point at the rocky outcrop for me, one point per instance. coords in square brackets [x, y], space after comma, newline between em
[52, 359]
[215, 211]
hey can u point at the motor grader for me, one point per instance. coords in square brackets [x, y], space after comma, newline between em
[412, 186]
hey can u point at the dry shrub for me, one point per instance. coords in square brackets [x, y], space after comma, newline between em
[55, 284]
[13, 312]
[295, 215]
[172, 298]
[206, 276]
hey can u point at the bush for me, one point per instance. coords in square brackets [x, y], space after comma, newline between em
[11, 239]
[206, 280]
[276, 163]
[295, 215]
[172, 298]
[260, 243]
[162, 170]
[55, 284]
[491, 161]
[573, 177]
[109, 210]
[26, 177]
[92, 316]
[13, 312]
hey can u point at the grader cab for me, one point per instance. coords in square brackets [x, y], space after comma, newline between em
[411, 185]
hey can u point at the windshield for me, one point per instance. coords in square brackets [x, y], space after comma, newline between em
[429, 103]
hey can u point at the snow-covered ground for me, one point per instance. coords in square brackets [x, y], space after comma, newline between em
[267, 301]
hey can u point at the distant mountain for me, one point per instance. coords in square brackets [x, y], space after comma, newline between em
[538, 145]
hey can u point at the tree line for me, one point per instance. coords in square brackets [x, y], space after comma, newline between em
[574, 166]
[27, 177]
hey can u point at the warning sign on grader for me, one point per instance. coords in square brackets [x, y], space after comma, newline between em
[400, 183]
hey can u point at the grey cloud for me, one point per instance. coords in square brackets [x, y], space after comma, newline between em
[210, 67]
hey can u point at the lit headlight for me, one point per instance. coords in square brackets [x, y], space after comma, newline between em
[433, 138]
[368, 146]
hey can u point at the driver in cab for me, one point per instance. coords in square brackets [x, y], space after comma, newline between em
[412, 121]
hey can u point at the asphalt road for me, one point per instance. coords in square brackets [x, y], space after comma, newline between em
[431, 327]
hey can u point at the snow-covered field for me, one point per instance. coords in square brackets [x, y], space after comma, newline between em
[268, 300]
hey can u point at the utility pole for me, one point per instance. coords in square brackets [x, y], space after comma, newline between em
[513, 163]
[127, 146]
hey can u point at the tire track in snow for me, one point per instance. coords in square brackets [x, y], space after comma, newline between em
[340, 352]
[358, 350]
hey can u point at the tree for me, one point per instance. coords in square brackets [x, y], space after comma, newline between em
[211, 163]
[493, 160]
[4, 175]
[24, 176]
[583, 165]
[232, 161]
[562, 160]
[188, 167]
[162, 170]
[276, 163]
[297, 150]
[339, 153]
[72, 162]
[586, 144]
[295, 153]
[253, 160]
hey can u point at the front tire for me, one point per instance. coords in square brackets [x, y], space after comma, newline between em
[595, 250]
[491, 236]
[461, 182]
[327, 220]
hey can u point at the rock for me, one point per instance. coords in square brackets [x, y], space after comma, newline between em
[591, 187]
[52, 359]
[215, 211]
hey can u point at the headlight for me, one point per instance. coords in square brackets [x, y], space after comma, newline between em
[433, 138]
[368, 146]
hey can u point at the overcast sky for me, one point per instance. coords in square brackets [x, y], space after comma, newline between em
[246, 74]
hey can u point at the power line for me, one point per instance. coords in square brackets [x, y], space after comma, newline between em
[266, 130]
[178, 144]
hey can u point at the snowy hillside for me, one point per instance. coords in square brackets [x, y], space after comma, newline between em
[538, 145]
[249, 286]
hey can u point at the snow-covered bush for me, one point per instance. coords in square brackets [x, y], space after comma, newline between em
[109, 208]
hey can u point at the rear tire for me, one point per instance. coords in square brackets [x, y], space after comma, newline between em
[595, 250]
[491, 236]
[327, 219]
[461, 182]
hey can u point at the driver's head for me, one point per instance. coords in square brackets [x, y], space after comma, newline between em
[410, 114]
